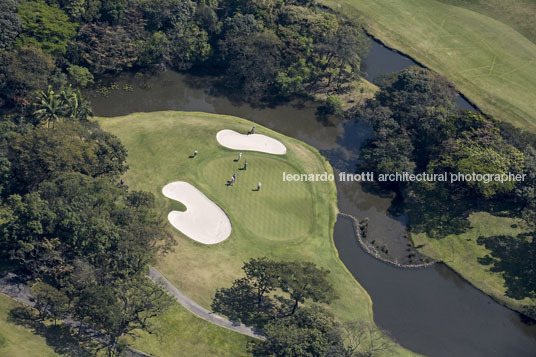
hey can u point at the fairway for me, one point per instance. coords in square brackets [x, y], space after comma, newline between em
[283, 221]
[488, 61]
[461, 252]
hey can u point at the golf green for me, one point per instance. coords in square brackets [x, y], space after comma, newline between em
[283, 221]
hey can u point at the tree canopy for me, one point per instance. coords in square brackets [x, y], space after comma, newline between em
[45, 26]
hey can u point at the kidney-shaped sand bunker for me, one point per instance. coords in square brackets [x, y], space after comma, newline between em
[252, 142]
[203, 221]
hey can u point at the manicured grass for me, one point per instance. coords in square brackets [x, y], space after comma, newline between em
[16, 340]
[461, 252]
[488, 61]
[284, 221]
[180, 333]
[518, 14]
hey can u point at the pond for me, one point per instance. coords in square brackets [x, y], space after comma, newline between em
[432, 310]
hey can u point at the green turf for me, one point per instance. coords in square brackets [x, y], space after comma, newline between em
[488, 61]
[518, 14]
[16, 340]
[180, 333]
[461, 252]
[284, 221]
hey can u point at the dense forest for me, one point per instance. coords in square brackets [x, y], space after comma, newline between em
[261, 49]
[83, 240]
[418, 128]
[69, 226]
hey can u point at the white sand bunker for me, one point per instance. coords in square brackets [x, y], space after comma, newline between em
[254, 142]
[203, 221]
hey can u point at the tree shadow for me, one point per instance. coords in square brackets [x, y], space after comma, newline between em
[514, 258]
[433, 210]
[63, 338]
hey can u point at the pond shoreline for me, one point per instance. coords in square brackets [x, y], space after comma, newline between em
[373, 252]
[339, 142]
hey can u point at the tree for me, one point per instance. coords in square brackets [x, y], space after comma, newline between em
[155, 51]
[110, 155]
[364, 339]
[9, 23]
[75, 106]
[105, 48]
[253, 61]
[42, 154]
[165, 15]
[112, 10]
[49, 301]
[189, 46]
[247, 299]
[45, 26]
[26, 69]
[310, 332]
[49, 107]
[80, 75]
[239, 303]
[482, 151]
[272, 290]
[125, 306]
[341, 52]
[304, 280]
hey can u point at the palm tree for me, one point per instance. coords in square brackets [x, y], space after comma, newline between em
[49, 107]
[76, 107]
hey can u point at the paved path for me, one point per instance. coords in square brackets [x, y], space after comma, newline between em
[15, 287]
[200, 311]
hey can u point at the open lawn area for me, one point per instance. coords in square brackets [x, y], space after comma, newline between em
[461, 252]
[518, 14]
[488, 61]
[16, 340]
[180, 333]
[283, 221]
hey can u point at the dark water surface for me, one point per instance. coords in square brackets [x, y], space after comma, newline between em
[382, 60]
[431, 311]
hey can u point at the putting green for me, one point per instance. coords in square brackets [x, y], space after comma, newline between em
[274, 212]
[284, 221]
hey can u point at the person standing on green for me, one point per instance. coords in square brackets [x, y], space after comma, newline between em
[259, 186]
[245, 165]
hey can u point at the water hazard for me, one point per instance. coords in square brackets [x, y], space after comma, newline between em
[431, 311]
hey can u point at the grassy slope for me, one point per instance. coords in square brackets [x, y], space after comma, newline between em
[462, 251]
[16, 340]
[180, 333]
[488, 61]
[283, 221]
[518, 14]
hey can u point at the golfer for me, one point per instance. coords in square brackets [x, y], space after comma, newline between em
[259, 186]
[239, 156]
[245, 164]
[233, 179]
[253, 130]
[195, 153]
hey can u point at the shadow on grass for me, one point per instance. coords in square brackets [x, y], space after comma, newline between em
[64, 339]
[515, 259]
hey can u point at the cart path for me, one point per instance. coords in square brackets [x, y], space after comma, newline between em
[200, 311]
